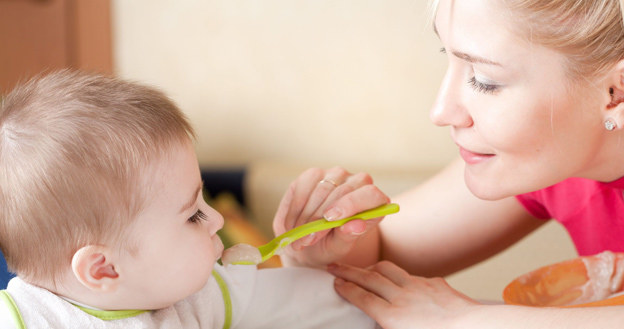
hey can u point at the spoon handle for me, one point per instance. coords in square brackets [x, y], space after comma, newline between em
[281, 241]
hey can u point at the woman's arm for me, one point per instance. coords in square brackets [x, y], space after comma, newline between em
[506, 316]
[396, 300]
[442, 227]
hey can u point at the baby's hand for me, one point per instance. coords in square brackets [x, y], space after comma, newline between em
[334, 194]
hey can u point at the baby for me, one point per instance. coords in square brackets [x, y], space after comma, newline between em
[104, 223]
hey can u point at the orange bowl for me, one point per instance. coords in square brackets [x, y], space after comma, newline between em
[581, 282]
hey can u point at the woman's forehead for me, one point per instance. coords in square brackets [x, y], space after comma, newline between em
[473, 28]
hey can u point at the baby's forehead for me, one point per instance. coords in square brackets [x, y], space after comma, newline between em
[171, 176]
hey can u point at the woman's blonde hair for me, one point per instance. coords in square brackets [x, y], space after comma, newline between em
[72, 150]
[589, 33]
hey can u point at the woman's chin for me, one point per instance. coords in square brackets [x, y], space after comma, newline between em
[483, 189]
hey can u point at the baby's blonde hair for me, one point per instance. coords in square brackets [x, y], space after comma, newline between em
[72, 150]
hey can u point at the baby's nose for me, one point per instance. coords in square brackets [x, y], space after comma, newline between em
[216, 223]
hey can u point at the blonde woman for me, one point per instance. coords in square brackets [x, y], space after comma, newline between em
[533, 96]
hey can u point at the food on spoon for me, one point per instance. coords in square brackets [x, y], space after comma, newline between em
[578, 281]
[241, 253]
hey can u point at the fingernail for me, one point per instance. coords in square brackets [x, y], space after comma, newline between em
[308, 239]
[333, 214]
[354, 233]
[296, 246]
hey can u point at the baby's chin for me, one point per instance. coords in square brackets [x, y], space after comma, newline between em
[218, 247]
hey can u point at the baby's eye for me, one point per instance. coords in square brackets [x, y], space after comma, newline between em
[197, 217]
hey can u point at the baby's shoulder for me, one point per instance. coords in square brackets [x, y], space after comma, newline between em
[8, 312]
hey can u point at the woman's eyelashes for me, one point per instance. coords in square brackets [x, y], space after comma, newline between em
[197, 217]
[482, 87]
[486, 88]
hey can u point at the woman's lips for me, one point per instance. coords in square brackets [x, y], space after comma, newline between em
[472, 157]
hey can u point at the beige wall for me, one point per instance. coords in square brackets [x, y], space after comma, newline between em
[319, 82]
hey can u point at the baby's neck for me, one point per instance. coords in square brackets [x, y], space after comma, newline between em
[68, 288]
[71, 301]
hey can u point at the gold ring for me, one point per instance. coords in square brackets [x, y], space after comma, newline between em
[327, 180]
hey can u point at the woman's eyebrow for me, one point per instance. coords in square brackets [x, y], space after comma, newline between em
[467, 57]
[193, 198]
[474, 59]
[471, 58]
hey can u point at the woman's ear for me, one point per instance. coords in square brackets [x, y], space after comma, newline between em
[614, 111]
[94, 268]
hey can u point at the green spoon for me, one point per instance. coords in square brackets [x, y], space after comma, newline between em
[268, 250]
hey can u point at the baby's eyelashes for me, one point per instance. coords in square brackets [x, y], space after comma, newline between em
[197, 217]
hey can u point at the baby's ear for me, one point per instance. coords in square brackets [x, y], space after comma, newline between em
[94, 268]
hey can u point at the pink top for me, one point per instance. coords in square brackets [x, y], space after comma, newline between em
[591, 211]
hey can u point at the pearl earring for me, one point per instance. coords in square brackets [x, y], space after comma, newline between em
[609, 124]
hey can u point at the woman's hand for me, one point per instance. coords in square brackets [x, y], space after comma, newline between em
[395, 299]
[334, 194]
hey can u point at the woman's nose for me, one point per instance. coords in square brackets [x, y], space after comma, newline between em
[449, 108]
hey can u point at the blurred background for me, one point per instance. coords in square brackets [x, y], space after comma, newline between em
[273, 87]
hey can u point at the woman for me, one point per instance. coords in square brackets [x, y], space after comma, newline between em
[533, 96]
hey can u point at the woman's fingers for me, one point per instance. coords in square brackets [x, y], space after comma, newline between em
[361, 199]
[396, 299]
[324, 191]
[301, 191]
[334, 194]
[372, 279]
[358, 199]
[373, 305]
[397, 275]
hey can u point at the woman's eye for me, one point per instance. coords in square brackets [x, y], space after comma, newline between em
[197, 217]
[482, 87]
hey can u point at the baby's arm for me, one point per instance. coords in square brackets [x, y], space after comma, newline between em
[299, 298]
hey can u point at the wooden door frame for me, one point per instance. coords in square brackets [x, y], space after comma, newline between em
[44, 35]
